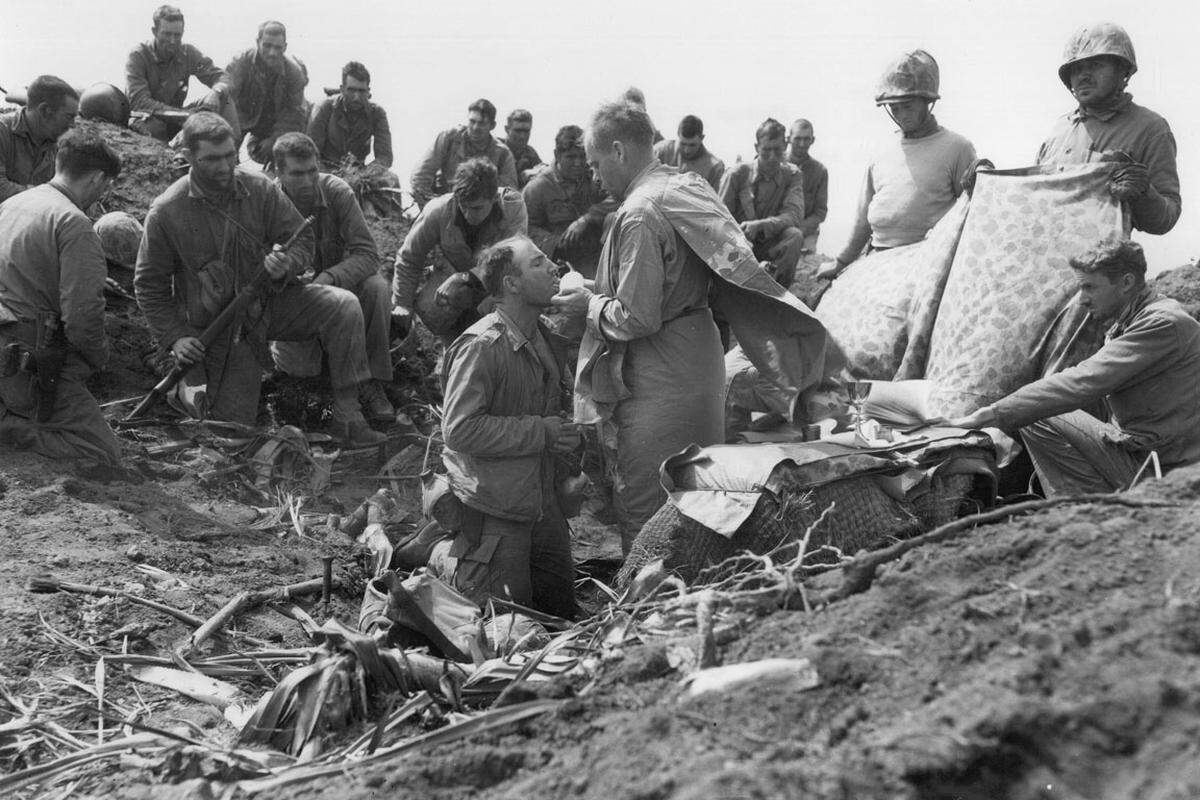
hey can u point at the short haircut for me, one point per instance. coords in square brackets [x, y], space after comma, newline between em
[568, 137]
[292, 145]
[484, 107]
[771, 128]
[1112, 258]
[691, 126]
[167, 14]
[520, 115]
[356, 70]
[204, 126]
[620, 121]
[51, 90]
[634, 95]
[802, 123]
[272, 26]
[475, 179]
[82, 151]
[498, 262]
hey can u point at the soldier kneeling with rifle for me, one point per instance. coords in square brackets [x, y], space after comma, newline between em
[52, 338]
[212, 243]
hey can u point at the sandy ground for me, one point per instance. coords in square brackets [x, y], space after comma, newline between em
[1053, 656]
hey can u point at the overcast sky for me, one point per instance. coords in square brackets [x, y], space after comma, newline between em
[732, 64]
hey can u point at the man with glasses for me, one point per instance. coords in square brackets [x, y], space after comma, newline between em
[28, 137]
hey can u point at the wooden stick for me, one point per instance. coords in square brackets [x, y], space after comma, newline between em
[240, 603]
[44, 584]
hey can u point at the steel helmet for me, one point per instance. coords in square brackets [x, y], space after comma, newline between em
[1103, 39]
[914, 74]
[106, 102]
[120, 236]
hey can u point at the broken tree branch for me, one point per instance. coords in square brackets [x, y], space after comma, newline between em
[46, 584]
[246, 600]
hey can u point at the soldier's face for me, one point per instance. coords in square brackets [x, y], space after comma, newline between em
[168, 38]
[800, 140]
[356, 92]
[690, 146]
[538, 281]
[1103, 297]
[479, 127]
[1095, 80]
[770, 154]
[58, 121]
[909, 114]
[517, 133]
[271, 47]
[609, 166]
[572, 164]
[299, 179]
[476, 211]
[213, 163]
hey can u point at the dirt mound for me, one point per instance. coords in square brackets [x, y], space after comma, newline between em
[1183, 284]
[1053, 656]
[145, 168]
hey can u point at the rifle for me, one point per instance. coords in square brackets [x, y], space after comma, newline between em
[216, 327]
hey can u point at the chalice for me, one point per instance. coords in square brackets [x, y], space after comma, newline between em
[859, 391]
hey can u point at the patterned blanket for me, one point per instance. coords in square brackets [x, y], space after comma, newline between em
[984, 304]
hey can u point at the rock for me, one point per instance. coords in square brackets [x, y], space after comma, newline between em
[60, 560]
[1182, 284]
[134, 553]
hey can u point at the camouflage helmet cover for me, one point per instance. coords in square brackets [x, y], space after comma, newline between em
[120, 236]
[914, 74]
[1103, 39]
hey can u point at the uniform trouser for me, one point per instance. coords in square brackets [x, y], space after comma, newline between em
[303, 359]
[75, 428]
[678, 400]
[165, 130]
[327, 314]
[526, 562]
[782, 250]
[1075, 454]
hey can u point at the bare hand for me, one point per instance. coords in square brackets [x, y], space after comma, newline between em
[831, 270]
[983, 418]
[573, 303]
[1129, 181]
[568, 439]
[401, 322]
[323, 278]
[574, 233]
[451, 290]
[754, 229]
[277, 263]
[187, 350]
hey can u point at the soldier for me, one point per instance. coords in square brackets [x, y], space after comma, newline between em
[766, 196]
[566, 206]
[911, 184]
[52, 273]
[349, 124]
[516, 139]
[688, 153]
[346, 257]
[434, 172]
[28, 136]
[207, 236]
[816, 182]
[454, 228]
[157, 74]
[268, 90]
[503, 424]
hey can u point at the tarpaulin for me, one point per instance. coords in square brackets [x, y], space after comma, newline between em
[984, 304]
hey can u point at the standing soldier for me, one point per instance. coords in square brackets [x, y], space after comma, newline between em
[52, 338]
[911, 184]
[1097, 65]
